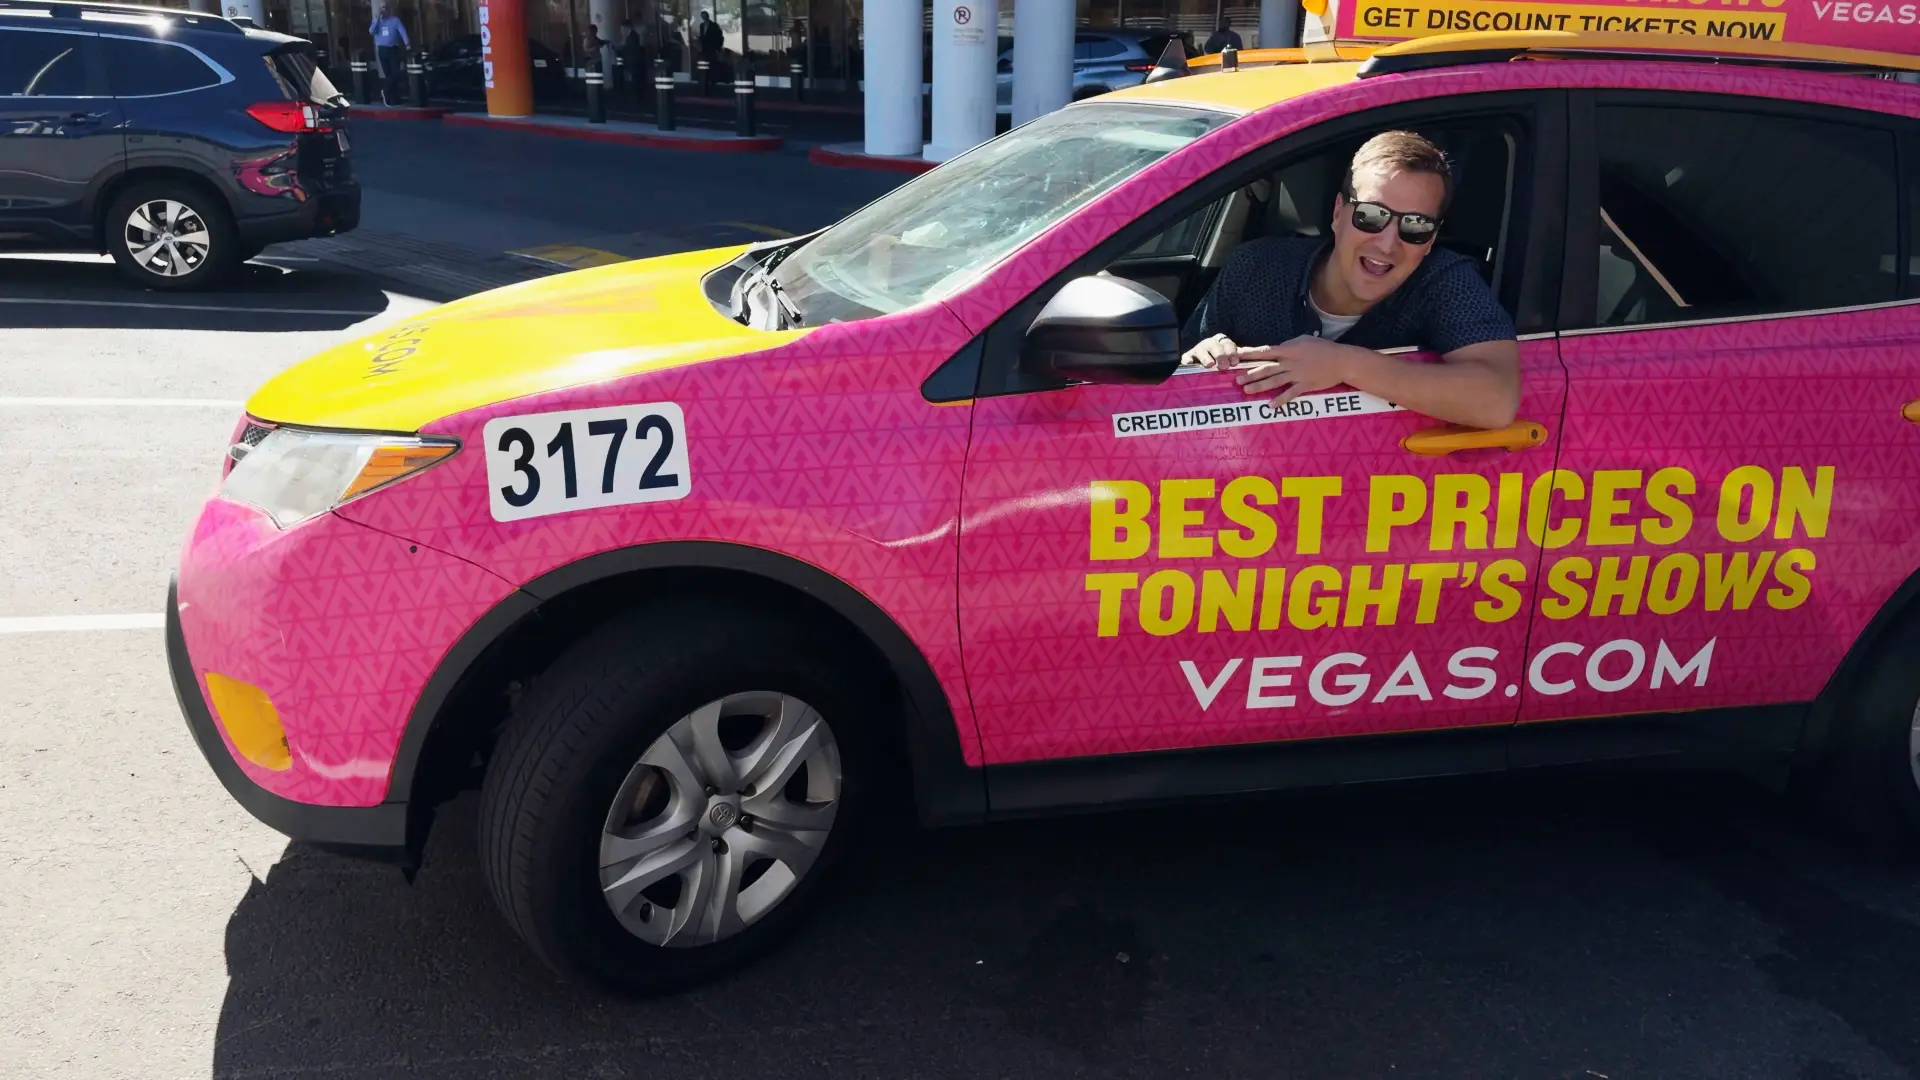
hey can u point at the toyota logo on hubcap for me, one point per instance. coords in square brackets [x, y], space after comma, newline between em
[723, 815]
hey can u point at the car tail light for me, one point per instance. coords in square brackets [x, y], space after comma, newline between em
[1139, 67]
[288, 116]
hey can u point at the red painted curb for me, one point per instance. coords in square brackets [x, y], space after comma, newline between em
[820, 155]
[759, 144]
[395, 112]
[765, 101]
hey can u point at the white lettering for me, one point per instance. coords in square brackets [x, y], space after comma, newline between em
[1664, 665]
[1614, 686]
[1353, 687]
[1886, 15]
[1460, 669]
[1259, 681]
[1205, 692]
[1406, 681]
[1820, 10]
[1536, 671]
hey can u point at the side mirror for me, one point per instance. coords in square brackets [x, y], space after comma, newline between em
[1104, 329]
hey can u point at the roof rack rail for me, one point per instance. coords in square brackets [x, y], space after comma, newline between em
[1453, 50]
[74, 9]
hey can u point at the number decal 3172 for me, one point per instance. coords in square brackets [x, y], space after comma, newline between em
[552, 463]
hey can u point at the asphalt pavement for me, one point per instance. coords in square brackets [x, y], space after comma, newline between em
[1650, 926]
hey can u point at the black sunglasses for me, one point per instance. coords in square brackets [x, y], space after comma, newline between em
[1373, 217]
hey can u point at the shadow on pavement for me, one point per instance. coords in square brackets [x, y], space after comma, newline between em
[1622, 928]
[266, 295]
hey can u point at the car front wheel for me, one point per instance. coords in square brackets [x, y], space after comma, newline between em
[1869, 777]
[171, 236]
[668, 798]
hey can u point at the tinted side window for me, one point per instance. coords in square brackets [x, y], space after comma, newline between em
[34, 64]
[1099, 48]
[1708, 213]
[145, 68]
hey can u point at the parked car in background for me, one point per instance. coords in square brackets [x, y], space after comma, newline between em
[179, 143]
[1103, 60]
[453, 70]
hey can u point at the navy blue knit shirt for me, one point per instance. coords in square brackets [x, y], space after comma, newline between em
[1260, 298]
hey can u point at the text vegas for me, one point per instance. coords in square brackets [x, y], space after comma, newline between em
[1346, 678]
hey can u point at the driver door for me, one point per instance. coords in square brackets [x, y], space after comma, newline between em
[1175, 567]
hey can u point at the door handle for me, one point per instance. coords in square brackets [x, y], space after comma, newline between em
[1911, 411]
[1440, 441]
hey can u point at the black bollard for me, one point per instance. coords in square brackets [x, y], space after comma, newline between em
[360, 81]
[662, 96]
[705, 72]
[798, 72]
[596, 98]
[416, 83]
[743, 104]
[1229, 59]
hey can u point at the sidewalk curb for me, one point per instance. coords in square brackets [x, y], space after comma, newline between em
[396, 112]
[758, 144]
[841, 159]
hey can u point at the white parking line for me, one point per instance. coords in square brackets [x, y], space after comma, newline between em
[185, 307]
[45, 624]
[123, 402]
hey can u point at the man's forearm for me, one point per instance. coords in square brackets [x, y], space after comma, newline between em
[1469, 391]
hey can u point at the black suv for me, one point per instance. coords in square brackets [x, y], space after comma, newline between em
[180, 143]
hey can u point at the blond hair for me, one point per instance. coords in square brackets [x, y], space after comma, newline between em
[1393, 152]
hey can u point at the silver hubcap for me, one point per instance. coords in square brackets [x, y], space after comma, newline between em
[1913, 744]
[720, 819]
[167, 238]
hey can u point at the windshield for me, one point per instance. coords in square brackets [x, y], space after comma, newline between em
[928, 238]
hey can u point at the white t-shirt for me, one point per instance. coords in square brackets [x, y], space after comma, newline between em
[1331, 326]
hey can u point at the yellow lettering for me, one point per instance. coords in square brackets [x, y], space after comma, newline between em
[1460, 501]
[1540, 502]
[1308, 612]
[1506, 522]
[1112, 589]
[1431, 575]
[1734, 493]
[1273, 582]
[1602, 529]
[1570, 597]
[1393, 500]
[1120, 533]
[1166, 602]
[1786, 570]
[1735, 577]
[1675, 579]
[1798, 502]
[1236, 502]
[1175, 519]
[1609, 586]
[1217, 599]
[1663, 491]
[1503, 600]
[1313, 492]
[1361, 594]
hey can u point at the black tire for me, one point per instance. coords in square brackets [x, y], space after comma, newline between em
[1866, 781]
[583, 725]
[222, 252]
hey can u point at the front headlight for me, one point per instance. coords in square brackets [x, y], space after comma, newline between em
[294, 474]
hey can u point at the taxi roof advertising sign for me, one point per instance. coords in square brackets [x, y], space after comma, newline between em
[1706, 25]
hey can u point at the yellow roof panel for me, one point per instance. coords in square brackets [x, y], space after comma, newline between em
[1241, 91]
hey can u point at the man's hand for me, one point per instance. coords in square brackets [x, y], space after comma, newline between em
[1300, 366]
[1216, 353]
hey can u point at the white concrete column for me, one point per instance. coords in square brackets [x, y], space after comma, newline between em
[892, 55]
[604, 14]
[966, 48]
[1042, 57]
[1278, 18]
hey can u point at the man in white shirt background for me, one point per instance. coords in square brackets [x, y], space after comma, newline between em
[390, 45]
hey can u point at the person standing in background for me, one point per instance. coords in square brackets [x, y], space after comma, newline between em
[1223, 37]
[390, 43]
[709, 40]
[633, 56]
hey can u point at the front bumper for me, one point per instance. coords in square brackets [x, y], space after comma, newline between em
[381, 826]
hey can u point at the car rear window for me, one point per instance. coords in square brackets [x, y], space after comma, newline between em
[152, 68]
[300, 76]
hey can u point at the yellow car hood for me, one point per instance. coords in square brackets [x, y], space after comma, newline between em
[572, 329]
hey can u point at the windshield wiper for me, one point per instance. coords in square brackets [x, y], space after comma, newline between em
[763, 277]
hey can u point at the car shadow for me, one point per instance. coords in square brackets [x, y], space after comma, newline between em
[1639, 927]
[268, 294]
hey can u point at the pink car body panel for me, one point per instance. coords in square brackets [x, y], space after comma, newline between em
[825, 450]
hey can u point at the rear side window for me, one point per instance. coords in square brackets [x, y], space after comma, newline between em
[300, 76]
[1708, 213]
[34, 64]
[152, 68]
[1097, 48]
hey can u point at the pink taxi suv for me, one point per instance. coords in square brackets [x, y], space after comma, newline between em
[681, 560]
